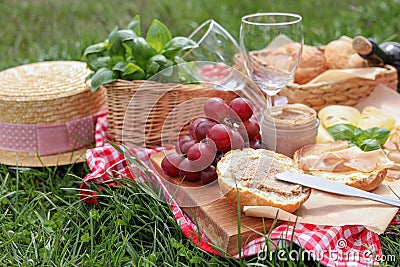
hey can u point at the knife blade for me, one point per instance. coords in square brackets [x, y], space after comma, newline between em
[333, 187]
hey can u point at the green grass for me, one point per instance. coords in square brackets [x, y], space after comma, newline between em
[47, 30]
[42, 221]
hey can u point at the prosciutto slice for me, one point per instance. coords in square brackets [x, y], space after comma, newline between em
[339, 157]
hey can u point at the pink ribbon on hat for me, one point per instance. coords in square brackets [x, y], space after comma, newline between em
[49, 139]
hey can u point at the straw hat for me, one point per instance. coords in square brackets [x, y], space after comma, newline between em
[47, 113]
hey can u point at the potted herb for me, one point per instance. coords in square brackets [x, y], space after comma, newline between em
[128, 55]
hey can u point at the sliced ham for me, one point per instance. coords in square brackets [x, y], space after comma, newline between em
[393, 174]
[393, 142]
[339, 157]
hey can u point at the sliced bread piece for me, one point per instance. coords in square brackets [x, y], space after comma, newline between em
[250, 175]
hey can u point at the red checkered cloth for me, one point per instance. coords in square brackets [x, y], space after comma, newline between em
[331, 246]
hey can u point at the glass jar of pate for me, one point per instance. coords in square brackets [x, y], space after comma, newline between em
[287, 128]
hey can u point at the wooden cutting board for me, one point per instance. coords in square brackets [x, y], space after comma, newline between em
[212, 212]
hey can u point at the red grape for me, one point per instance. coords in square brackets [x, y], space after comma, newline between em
[202, 129]
[209, 142]
[193, 125]
[187, 171]
[251, 129]
[186, 146]
[237, 140]
[242, 107]
[184, 138]
[201, 155]
[208, 175]
[218, 157]
[221, 135]
[215, 108]
[170, 164]
[184, 143]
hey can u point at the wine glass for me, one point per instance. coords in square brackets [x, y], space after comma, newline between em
[213, 56]
[271, 46]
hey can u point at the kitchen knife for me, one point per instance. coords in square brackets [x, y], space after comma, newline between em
[333, 187]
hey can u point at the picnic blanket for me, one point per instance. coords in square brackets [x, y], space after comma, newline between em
[351, 245]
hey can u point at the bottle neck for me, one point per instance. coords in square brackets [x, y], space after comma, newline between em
[377, 54]
[368, 49]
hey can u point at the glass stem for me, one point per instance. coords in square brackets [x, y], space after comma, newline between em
[270, 101]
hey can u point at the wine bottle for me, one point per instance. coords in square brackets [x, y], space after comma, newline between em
[378, 55]
[392, 50]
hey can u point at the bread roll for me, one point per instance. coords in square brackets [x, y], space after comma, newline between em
[312, 64]
[339, 54]
[312, 61]
[252, 172]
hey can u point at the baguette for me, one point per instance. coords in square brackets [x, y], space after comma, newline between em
[252, 172]
[338, 162]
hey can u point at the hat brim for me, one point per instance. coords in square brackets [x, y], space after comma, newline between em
[31, 159]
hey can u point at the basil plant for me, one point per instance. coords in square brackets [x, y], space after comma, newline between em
[128, 55]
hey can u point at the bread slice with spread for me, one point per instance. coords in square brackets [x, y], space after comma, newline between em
[249, 175]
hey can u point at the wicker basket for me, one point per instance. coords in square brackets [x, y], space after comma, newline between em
[152, 114]
[343, 92]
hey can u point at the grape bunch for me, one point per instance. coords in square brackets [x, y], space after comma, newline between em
[224, 127]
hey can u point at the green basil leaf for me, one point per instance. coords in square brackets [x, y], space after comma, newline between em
[135, 26]
[141, 50]
[342, 131]
[95, 49]
[91, 61]
[106, 44]
[101, 77]
[89, 76]
[369, 145]
[358, 136]
[133, 72]
[92, 54]
[152, 68]
[379, 134]
[129, 71]
[128, 51]
[126, 35]
[177, 45]
[158, 35]
[120, 66]
[352, 143]
[115, 47]
[101, 62]
[157, 63]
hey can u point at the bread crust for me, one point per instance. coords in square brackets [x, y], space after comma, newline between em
[256, 197]
[249, 199]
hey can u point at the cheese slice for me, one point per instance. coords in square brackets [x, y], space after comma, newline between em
[338, 114]
[323, 136]
[373, 117]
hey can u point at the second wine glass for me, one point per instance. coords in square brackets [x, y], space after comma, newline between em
[271, 46]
